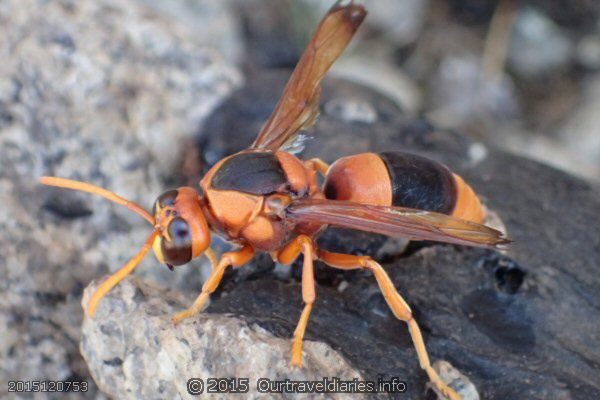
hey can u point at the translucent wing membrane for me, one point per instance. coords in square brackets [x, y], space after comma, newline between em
[298, 107]
[395, 221]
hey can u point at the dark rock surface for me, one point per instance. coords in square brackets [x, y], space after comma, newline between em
[520, 325]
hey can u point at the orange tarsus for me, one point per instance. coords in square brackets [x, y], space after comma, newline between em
[93, 189]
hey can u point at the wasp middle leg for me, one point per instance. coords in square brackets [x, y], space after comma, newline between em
[235, 259]
[396, 303]
[301, 244]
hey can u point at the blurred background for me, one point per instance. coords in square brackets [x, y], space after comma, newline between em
[521, 75]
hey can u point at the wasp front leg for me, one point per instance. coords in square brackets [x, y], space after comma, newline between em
[235, 259]
[396, 303]
[118, 276]
[301, 244]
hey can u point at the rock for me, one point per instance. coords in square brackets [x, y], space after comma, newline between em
[568, 151]
[273, 37]
[399, 22]
[581, 132]
[448, 373]
[588, 51]
[383, 76]
[538, 45]
[580, 15]
[102, 91]
[213, 24]
[459, 97]
[135, 352]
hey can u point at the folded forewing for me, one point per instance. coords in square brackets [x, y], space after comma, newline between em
[395, 221]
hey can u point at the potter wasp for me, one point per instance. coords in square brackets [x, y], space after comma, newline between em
[266, 199]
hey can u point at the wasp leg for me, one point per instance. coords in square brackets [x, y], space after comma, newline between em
[234, 258]
[318, 165]
[118, 276]
[396, 303]
[301, 244]
[210, 254]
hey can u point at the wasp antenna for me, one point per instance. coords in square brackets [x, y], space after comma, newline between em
[118, 276]
[89, 188]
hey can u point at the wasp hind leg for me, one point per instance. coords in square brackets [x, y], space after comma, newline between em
[235, 259]
[396, 303]
[301, 244]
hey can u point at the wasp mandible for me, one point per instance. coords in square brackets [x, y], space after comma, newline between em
[266, 199]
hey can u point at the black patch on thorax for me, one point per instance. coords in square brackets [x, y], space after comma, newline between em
[253, 172]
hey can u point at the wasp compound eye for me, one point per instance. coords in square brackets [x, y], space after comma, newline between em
[177, 250]
[164, 200]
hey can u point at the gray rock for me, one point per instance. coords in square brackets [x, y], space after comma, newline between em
[135, 352]
[379, 73]
[588, 51]
[398, 21]
[459, 97]
[273, 35]
[213, 24]
[538, 45]
[103, 91]
[581, 132]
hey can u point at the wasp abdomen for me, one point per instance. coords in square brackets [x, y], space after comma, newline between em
[402, 180]
[467, 204]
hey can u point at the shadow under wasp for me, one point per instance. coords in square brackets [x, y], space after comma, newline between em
[266, 199]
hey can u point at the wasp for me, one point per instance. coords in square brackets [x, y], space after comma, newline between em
[265, 198]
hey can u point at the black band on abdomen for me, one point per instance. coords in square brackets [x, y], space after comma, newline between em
[421, 183]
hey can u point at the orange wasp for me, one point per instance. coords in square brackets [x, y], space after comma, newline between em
[266, 199]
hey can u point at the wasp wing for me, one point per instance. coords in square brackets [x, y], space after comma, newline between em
[395, 221]
[298, 106]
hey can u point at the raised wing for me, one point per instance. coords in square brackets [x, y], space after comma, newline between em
[298, 107]
[395, 221]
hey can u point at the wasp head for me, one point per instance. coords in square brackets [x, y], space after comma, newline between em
[183, 231]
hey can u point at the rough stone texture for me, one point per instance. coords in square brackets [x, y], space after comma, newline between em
[103, 91]
[134, 351]
[212, 23]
